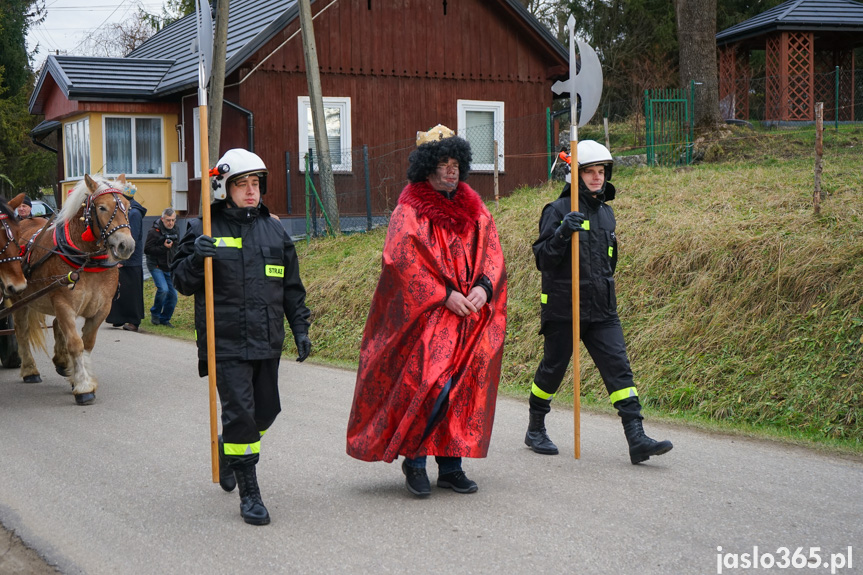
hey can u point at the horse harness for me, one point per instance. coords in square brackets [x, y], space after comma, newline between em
[64, 245]
[10, 240]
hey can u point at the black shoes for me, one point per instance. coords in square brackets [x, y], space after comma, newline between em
[416, 480]
[457, 481]
[154, 319]
[167, 324]
[227, 481]
[251, 506]
[537, 437]
[130, 327]
[641, 447]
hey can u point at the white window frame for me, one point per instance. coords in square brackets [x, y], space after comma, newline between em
[134, 154]
[497, 108]
[344, 104]
[83, 139]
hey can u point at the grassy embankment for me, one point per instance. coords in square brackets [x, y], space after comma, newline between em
[742, 310]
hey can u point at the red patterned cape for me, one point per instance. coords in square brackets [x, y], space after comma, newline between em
[412, 345]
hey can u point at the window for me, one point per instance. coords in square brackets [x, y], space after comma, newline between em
[133, 146]
[481, 123]
[337, 115]
[77, 143]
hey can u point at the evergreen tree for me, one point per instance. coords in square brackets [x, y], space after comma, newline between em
[26, 167]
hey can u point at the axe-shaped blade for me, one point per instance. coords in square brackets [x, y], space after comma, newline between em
[587, 83]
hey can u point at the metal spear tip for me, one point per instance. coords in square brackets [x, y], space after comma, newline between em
[571, 23]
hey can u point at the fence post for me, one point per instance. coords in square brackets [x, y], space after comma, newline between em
[496, 187]
[836, 113]
[548, 138]
[819, 149]
[605, 124]
[368, 188]
[308, 207]
[647, 128]
[288, 182]
[691, 116]
[311, 175]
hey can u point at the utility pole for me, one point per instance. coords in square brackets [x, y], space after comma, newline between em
[316, 102]
[217, 81]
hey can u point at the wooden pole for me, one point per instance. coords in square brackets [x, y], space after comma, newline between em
[819, 150]
[217, 81]
[208, 294]
[576, 295]
[316, 103]
[496, 173]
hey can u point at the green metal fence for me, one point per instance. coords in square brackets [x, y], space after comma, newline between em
[669, 126]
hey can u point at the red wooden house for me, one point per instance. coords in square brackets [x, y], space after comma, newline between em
[388, 69]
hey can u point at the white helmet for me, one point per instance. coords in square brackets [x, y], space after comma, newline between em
[234, 164]
[591, 153]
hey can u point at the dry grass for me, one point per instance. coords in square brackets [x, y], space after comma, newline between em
[738, 304]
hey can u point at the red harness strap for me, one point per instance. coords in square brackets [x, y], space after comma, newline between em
[76, 258]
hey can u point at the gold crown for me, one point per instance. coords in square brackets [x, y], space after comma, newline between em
[435, 134]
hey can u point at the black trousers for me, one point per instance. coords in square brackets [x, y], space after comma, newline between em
[249, 395]
[605, 344]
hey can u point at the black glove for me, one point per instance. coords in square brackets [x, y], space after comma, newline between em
[571, 222]
[205, 246]
[304, 345]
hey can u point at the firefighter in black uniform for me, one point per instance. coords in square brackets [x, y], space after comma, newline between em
[601, 331]
[256, 285]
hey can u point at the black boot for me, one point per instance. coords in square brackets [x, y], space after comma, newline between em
[251, 506]
[642, 447]
[226, 477]
[537, 438]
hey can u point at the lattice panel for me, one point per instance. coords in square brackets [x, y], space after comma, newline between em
[773, 89]
[799, 69]
[845, 61]
[727, 93]
[741, 85]
[825, 83]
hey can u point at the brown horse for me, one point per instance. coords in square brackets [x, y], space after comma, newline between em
[91, 236]
[12, 280]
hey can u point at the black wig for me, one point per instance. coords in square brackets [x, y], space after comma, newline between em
[425, 159]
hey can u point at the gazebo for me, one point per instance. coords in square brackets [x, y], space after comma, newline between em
[808, 54]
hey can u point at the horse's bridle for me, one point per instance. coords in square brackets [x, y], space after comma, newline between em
[10, 240]
[90, 216]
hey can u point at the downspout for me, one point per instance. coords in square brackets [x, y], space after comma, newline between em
[250, 117]
[41, 145]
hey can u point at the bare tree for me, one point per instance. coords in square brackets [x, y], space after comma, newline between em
[120, 38]
[552, 13]
[696, 31]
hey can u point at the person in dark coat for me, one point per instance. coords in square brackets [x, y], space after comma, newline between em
[24, 210]
[160, 247]
[600, 327]
[127, 311]
[256, 286]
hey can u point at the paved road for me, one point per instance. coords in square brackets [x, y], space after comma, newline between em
[123, 487]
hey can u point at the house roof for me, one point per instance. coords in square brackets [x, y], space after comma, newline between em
[81, 77]
[165, 63]
[251, 24]
[812, 15]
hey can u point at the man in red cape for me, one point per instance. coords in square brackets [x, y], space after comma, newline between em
[433, 342]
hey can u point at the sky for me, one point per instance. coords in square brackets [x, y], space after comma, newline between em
[69, 23]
